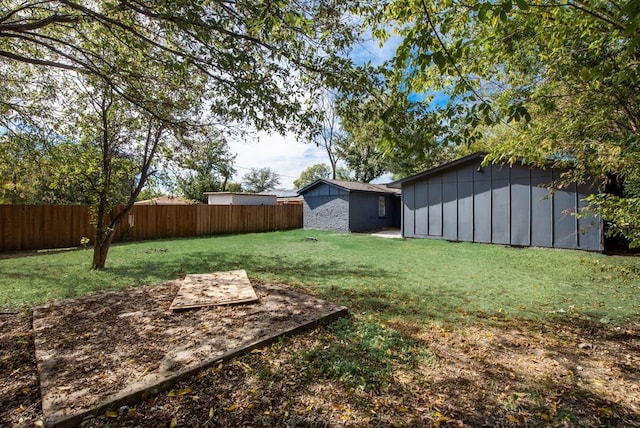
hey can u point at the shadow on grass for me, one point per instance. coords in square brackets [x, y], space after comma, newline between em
[344, 283]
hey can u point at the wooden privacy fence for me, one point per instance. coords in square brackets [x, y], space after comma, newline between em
[34, 227]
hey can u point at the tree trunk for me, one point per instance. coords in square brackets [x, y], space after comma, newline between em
[105, 233]
[104, 237]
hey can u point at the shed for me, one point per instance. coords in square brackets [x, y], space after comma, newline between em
[286, 197]
[348, 206]
[501, 204]
[237, 198]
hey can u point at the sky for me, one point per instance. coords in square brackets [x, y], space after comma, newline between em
[284, 153]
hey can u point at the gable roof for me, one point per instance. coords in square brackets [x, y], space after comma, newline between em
[449, 165]
[351, 186]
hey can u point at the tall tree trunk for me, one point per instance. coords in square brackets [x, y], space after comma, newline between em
[101, 247]
[105, 232]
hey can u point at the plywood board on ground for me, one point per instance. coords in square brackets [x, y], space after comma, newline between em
[101, 352]
[214, 289]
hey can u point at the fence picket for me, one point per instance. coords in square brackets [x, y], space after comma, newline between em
[35, 227]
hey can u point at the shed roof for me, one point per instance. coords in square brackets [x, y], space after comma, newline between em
[351, 186]
[271, 194]
[437, 170]
[166, 200]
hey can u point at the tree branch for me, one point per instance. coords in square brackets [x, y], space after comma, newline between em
[54, 19]
[37, 61]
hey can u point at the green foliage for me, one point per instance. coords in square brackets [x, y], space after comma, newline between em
[563, 77]
[255, 57]
[621, 213]
[387, 133]
[204, 165]
[60, 172]
[311, 174]
[260, 179]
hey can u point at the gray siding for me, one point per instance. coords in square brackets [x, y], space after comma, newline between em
[326, 207]
[363, 212]
[498, 204]
[333, 208]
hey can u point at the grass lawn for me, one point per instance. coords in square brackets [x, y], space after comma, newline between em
[421, 280]
[440, 334]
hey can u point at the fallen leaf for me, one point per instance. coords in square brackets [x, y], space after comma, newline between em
[211, 413]
[174, 423]
[111, 414]
[513, 419]
[184, 392]
[231, 408]
[605, 411]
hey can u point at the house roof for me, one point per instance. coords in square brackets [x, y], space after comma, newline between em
[270, 194]
[351, 186]
[437, 170]
[166, 200]
[281, 193]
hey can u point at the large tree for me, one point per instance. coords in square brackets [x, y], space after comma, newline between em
[256, 56]
[564, 76]
[248, 62]
[260, 179]
[204, 164]
[311, 174]
[121, 144]
[386, 132]
[326, 131]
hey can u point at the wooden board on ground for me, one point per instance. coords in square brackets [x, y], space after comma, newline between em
[214, 289]
[101, 352]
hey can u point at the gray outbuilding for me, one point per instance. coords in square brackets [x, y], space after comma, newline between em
[348, 206]
[500, 204]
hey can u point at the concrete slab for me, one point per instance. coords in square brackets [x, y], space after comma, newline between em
[388, 233]
[101, 352]
[219, 288]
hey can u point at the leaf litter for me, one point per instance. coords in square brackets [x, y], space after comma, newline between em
[504, 372]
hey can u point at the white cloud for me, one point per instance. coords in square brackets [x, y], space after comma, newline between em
[370, 50]
[283, 153]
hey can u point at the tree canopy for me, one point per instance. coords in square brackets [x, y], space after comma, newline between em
[311, 174]
[125, 81]
[203, 163]
[260, 179]
[564, 76]
[254, 57]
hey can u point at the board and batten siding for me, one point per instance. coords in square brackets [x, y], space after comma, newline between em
[326, 207]
[500, 205]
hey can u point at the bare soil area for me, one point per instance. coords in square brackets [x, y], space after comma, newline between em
[483, 373]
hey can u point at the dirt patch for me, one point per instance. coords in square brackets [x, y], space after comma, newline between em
[20, 403]
[501, 373]
[110, 349]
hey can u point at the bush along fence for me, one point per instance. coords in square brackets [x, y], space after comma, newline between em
[36, 227]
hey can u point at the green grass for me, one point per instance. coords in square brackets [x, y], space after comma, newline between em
[416, 280]
[361, 354]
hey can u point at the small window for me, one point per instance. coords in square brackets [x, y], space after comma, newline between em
[381, 207]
